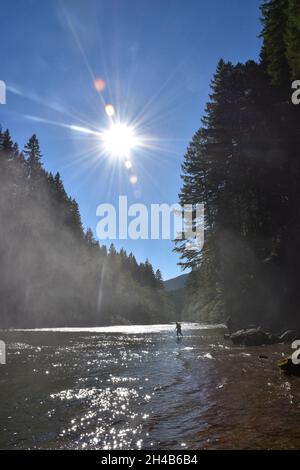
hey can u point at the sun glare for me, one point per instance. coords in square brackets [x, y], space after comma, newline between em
[119, 140]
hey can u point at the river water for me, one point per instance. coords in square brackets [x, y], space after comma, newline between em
[138, 387]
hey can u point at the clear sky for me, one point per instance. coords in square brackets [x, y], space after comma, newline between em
[157, 58]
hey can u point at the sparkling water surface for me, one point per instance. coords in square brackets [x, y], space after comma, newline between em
[138, 387]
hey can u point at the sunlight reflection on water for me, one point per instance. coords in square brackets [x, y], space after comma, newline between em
[128, 329]
[110, 389]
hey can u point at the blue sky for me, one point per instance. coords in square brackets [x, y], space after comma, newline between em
[157, 58]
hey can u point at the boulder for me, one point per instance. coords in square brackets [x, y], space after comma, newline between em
[273, 339]
[250, 337]
[257, 337]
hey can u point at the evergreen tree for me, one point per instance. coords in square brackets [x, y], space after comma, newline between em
[292, 38]
[159, 279]
[33, 156]
[242, 163]
[273, 54]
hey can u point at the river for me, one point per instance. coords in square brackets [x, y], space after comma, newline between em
[138, 387]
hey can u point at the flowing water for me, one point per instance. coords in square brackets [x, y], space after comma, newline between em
[138, 387]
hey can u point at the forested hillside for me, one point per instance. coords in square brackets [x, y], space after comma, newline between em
[244, 165]
[52, 272]
[177, 282]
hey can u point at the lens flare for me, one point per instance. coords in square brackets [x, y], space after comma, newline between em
[119, 140]
[110, 110]
[128, 164]
[133, 179]
[99, 84]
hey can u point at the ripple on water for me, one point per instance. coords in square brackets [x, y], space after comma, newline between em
[140, 388]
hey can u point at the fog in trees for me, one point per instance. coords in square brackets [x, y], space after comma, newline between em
[243, 163]
[52, 271]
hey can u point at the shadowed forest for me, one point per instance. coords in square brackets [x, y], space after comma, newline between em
[243, 163]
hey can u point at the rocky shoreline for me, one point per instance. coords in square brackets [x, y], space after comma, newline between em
[259, 337]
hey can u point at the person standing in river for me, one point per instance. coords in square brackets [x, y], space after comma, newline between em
[178, 329]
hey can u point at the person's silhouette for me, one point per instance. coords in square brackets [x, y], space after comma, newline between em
[178, 329]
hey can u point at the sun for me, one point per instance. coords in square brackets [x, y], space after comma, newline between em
[119, 140]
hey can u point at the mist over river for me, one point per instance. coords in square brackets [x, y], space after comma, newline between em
[138, 387]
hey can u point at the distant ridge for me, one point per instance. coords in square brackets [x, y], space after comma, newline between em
[176, 282]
